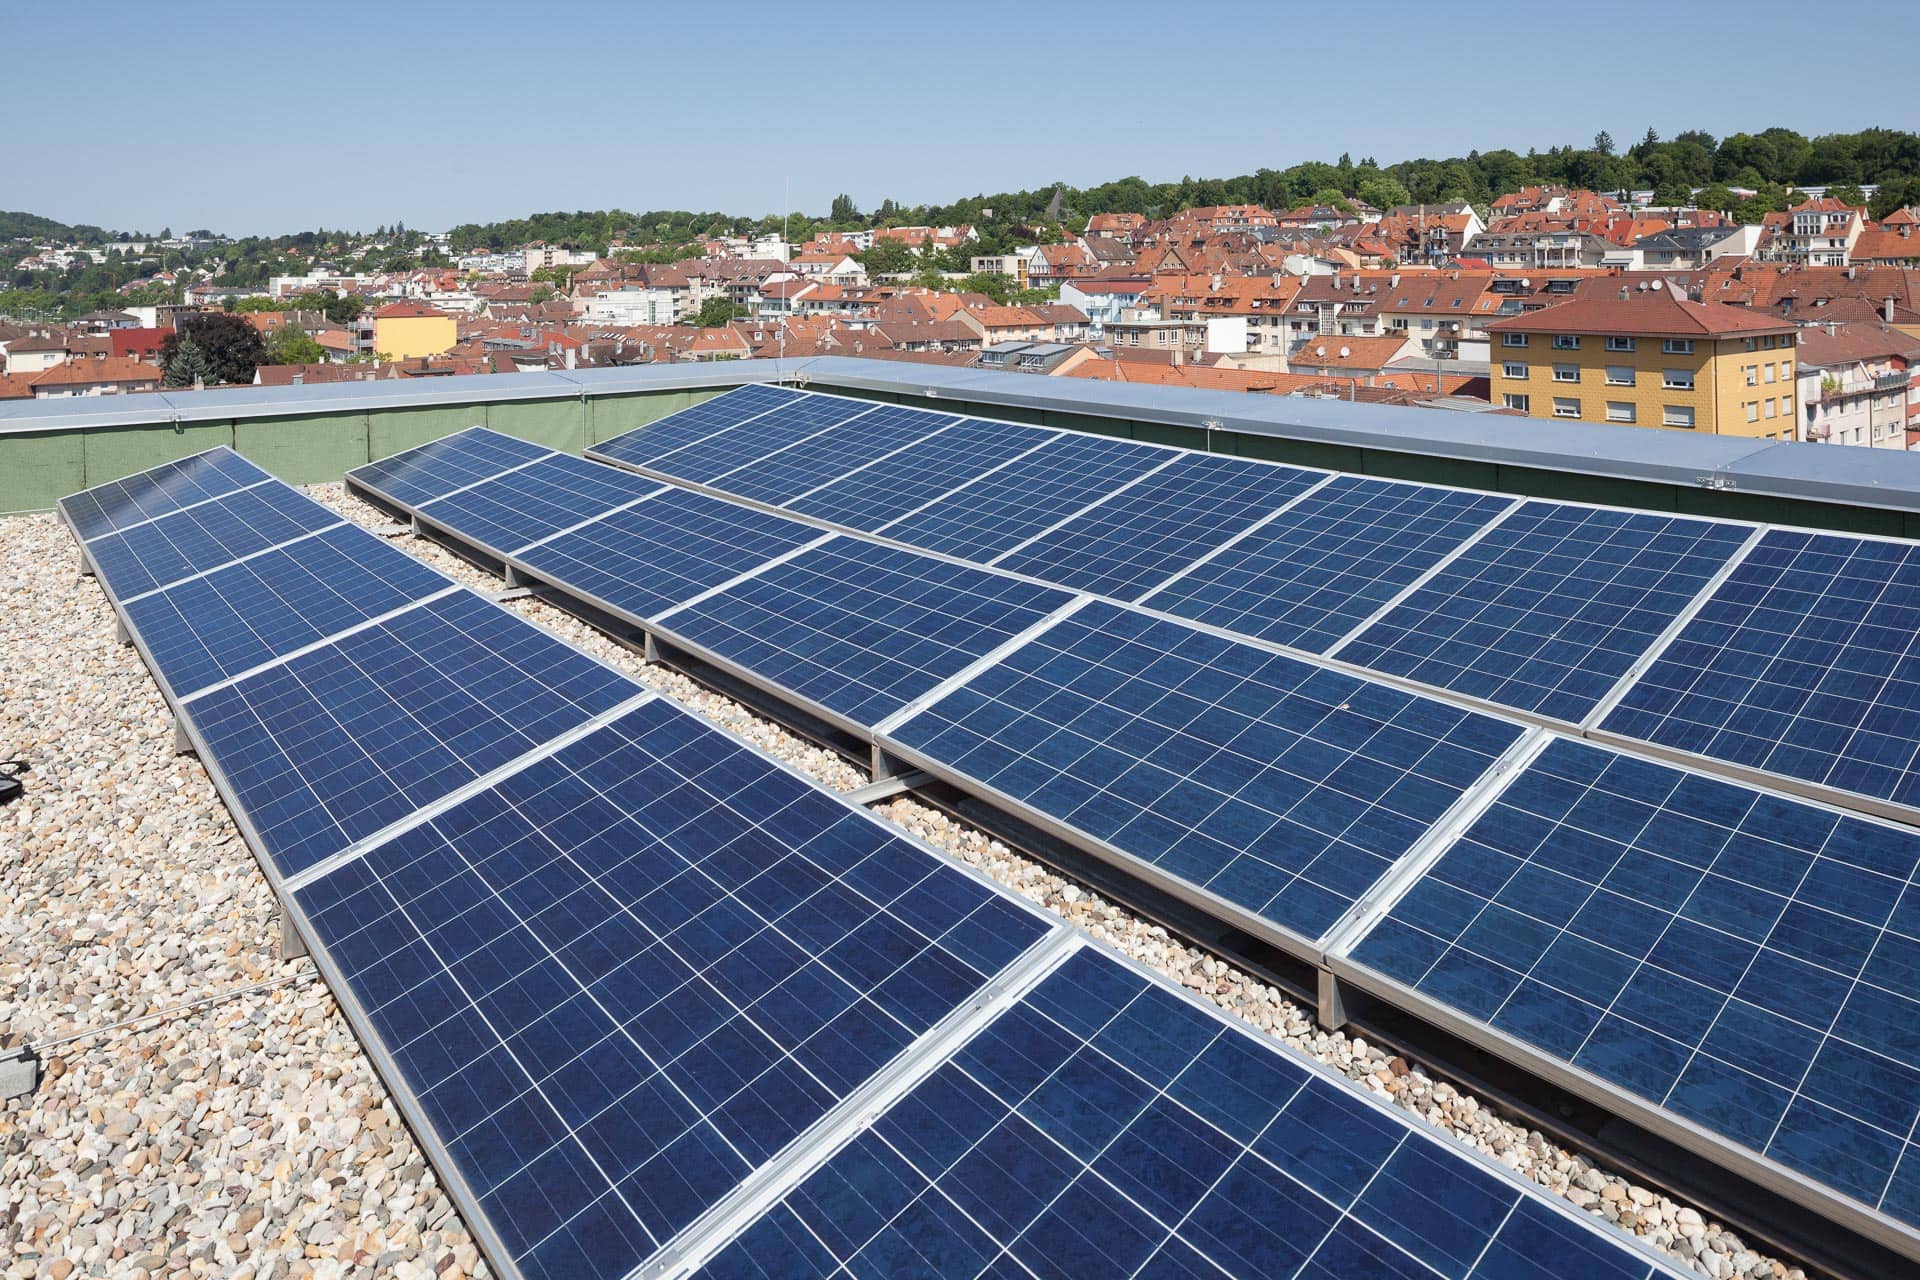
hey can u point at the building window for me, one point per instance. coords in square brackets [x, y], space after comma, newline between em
[1677, 415]
[1566, 373]
[1678, 346]
[1620, 411]
[1513, 339]
[1619, 344]
[1677, 379]
[1518, 372]
[1619, 375]
[1522, 403]
[1766, 340]
[1771, 374]
[1773, 407]
[1753, 375]
[1566, 342]
[1753, 411]
[1566, 407]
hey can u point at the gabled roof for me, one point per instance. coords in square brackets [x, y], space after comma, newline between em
[1653, 312]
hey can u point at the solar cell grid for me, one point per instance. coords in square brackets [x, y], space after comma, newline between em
[331, 746]
[1286, 789]
[119, 503]
[893, 486]
[862, 629]
[184, 543]
[1105, 1126]
[538, 500]
[436, 469]
[1325, 564]
[1803, 663]
[624, 979]
[1002, 509]
[207, 629]
[1136, 539]
[664, 551]
[718, 452]
[810, 463]
[1749, 962]
[677, 430]
[1551, 608]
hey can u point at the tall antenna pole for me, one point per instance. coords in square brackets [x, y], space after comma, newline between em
[786, 220]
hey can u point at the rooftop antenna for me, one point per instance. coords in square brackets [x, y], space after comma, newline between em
[786, 219]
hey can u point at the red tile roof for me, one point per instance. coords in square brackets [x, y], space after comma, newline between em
[1654, 312]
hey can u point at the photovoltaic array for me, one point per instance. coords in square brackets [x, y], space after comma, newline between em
[652, 1001]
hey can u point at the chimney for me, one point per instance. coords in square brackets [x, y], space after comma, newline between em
[1889, 309]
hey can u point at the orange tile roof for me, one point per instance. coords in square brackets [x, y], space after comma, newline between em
[1649, 313]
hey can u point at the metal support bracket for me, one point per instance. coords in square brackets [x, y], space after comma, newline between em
[887, 788]
[120, 632]
[182, 741]
[292, 945]
[19, 1073]
[86, 566]
[1333, 1002]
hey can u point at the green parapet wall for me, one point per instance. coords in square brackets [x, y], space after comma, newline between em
[391, 431]
[609, 416]
[304, 450]
[557, 423]
[38, 468]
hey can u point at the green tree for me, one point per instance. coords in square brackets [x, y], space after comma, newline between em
[1383, 192]
[540, 293]
[889, 257]
[185, 366]
[229, 346]
[291, 345]
[716, 312]
[844, 209]
[345, 308]
[1603, 143]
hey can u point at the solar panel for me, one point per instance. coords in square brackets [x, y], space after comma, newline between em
[1328, 562]
[675, 431]
[861, 629]
[330, 746]
[1137, 538]
[1283, 788]
[1747, 962]
[832, 453]
[899, 483]
[1106, 1126]
[537, 501]
[119, 503]
[210, 628]
[624, 979]
[434, 470]
[1004, 508]
[719, 452]
[664, 551]
[1803, 663]
[196, 539]
[1551, 608]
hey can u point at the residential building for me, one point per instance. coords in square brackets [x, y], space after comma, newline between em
[110, 376]
[1857, 387]
[407, 330]
[1646, 357]
[1818, 233]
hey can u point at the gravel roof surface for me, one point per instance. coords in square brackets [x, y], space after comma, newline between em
[249, 1137]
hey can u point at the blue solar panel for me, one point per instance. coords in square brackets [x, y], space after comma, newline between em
[1282, 787]
[862, 629]
[119, 503]
[1803, 663]
[1105, 1126]
[437, 469]
[329, 747]
[819, 459]
[509, 512]
[1136, 539]
[1004, 508]
[677, 430]
[205, 537]
[878, 494]
[1550, 609]
[1328, 562]
[664, 551]
[723, 451]
[1746, 961]
[207, 629]
[625, 978]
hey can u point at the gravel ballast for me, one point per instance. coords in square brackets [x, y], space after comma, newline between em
[249, 1137]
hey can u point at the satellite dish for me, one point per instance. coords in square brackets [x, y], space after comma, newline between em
[1321, 351]
[1345, 352]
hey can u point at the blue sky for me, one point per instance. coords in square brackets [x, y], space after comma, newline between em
[276, 117]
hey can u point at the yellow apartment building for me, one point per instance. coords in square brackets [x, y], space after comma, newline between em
[409, 330]
[1643, 357]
